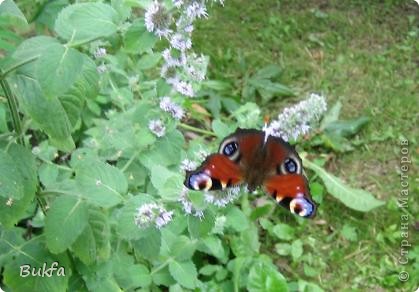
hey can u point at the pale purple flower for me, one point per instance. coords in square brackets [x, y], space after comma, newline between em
[183, 87]
[158, 20]
[169, 106]
[296, 120]
[222, 198]
[184, 200]
[178, 3]
[188, 165]
[196, 10]
[100, 53]
[101, 69]
[151, 213]
[157, 127]
[180, 42]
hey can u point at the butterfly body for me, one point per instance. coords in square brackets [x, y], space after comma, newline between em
[248, 156]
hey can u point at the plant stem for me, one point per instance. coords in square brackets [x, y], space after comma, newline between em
[12, 103]
[194, 129]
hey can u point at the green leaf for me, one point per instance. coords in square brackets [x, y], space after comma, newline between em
[356, 199]
[268, 72]
[263, 278]
[9, 8]
[11, 181]
[50, 11]
[129, 275]
[183, 248]
[83, 22]
[34, 47]
[331, 116]
[57, 69]
[148, 246]
[85, 86]
[349, 232]
[100, 183]
[65, 221]
[24, 162]
[137, 39]
[199, 228]
[148, 61]
[283, 231]
[47, 114]
[34, 254]
[296, 249]
[221, 129]
[236, 219]
[184, 273]
[214, 246]
[346, 128]
[94, 243]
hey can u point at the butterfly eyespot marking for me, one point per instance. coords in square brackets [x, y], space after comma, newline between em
[200, 181]
[302, 207]
[230, 148]
[290, 165]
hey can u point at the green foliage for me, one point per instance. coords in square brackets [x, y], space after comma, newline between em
[72, 182]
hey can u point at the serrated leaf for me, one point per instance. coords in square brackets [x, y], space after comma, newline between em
[137, 39]
[214, 246]
[57, 69]
[65, 221]
[9, 8]
[48, 114]
[200, 227]
[130, 275]
[184, 273]
[11, 181]
[236, 219]
[24, 162]
[85, 86]
[83, 22]
[94, 243]
[33, 254]
[356, 199]
[33, 47]
[148, 246]
[263, 278]
[221, 129]
[100, 183]
[283, 231]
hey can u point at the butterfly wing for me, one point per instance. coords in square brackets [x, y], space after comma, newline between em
[286, 182]
[227, 167]
[216, 173]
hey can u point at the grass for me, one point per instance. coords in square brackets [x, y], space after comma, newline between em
[365, 54]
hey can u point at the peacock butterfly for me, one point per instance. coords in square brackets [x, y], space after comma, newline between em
[252, 157]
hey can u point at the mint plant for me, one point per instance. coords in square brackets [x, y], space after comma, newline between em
[101, 115]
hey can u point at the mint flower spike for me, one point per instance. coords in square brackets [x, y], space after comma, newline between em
[296, 121]
[152, 213]
[167, 105]
[182, 69]
[157, 20]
